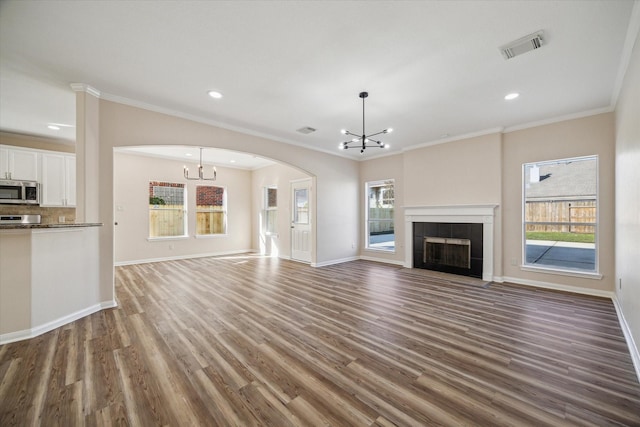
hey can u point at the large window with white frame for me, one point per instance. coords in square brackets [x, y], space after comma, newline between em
[560, 215]
[380, 225]
[211, 210]
[167, 209]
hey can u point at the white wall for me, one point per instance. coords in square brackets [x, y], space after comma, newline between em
[627, 218]
[279, 176]
[132, 174]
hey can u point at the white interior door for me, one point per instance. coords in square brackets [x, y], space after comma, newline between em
[301, 220]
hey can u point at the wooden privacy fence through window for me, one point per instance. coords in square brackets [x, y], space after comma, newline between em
[166, 220]
[575, 216]
[380, 220]
[210, 222]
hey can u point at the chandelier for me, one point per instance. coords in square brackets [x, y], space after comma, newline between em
[363, 141]
[200, 171]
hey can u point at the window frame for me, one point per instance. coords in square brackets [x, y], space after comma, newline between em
[367, 186]
[224, 210]
[556, 269]
[185, 220]
[271, 209]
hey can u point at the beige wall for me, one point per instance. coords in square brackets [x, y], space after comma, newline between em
[488, 170]
[383, 168]
[279, 176]
[572, 138]
[15, 280]
[132, 174]
[464, 172]
[336, 178]
[627, 223]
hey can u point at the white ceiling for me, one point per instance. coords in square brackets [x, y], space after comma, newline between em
[433, 69]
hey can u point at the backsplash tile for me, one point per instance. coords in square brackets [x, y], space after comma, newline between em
[49, 215]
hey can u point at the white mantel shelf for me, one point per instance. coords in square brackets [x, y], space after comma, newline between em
[483, 214]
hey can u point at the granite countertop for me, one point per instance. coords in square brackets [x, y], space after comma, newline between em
[41, 226]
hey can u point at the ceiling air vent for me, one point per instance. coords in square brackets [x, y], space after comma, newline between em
[522, 45]
[306, 130]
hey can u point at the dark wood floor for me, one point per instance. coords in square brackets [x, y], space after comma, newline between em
[257, 341]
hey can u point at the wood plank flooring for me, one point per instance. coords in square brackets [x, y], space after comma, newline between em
[249, 341]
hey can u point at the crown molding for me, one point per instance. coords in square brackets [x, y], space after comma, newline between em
[83, 87]
[558, 119]
[455, 138]
[627, 50]
[198, 119]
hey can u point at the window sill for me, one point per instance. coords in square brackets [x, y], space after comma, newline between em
[572, 273]
[165, 238]
[387, 251]
[209, 236]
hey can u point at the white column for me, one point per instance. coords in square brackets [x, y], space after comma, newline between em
[87, 153]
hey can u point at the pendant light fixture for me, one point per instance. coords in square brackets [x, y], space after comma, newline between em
[363, 141]
[200, 172]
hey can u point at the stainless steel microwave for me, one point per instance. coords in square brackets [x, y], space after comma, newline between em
[15, 192]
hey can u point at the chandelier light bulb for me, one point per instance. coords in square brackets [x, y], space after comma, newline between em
[343, 131]
[388, 130]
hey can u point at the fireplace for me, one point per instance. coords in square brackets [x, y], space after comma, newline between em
[448, 247]
[449, 252]
[457, 239]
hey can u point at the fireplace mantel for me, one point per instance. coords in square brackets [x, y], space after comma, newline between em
[454, 213]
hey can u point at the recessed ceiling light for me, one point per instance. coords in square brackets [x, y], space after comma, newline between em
[54, 127]
[188, 154]
[215, 94]
[232, 161]
[511, 96]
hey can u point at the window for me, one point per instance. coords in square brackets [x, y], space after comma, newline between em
[270, 210]
[560, 214]
[167, 209]
[211, 210]
[380, 224]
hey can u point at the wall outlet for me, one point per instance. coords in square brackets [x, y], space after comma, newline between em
[170, 247]
[514, 261]
[61, 219]
[353, 245]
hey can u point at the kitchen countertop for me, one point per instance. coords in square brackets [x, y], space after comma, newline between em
[41, 226]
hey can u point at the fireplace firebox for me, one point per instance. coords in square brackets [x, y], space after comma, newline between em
[448, 247]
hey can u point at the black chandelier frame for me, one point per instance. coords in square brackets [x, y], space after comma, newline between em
[363, 141]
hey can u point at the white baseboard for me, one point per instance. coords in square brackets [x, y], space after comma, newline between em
[558, 287]
[633, 348]
[178, 257]
[49, 326]
[383, 260]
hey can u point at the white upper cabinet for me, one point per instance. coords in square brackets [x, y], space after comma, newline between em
[19, 164]
[58, 180]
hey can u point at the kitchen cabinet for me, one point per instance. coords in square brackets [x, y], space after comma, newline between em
[58, 180]
[19, 164]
